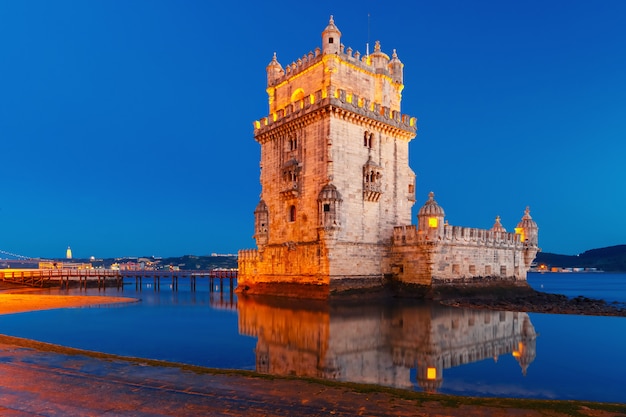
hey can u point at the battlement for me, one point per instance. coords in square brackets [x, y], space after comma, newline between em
[248, 255]
[409, 235]
[362, 62]
[339, 98]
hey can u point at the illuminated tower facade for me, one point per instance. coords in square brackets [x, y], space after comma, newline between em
[68, 253]
[335, 177]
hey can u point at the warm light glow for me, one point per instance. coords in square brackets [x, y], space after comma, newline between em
[297, 95]
[274, 116]
[431, 373]
[349, 98]
[520, 231]
[432, 222]
[257, 124]
[520, 349]
[312, 99]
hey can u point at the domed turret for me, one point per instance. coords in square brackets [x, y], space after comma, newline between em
[331, 38]
[497, 226]
[527, 229]
[329, 201]
[274, 70]
[430, 216]
[395, 68]
[261, 223]
[378, 58]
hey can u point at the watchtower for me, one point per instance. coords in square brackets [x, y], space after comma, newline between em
[335, 177]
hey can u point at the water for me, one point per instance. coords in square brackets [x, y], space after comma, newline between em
[605, 286]
[405, 344]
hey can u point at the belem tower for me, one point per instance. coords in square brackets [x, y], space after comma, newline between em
[337, 190]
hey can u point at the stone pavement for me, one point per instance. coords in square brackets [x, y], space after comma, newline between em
[37, 379]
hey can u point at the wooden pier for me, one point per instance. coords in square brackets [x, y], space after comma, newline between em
[219, 275]
[101, 278]
[62, 277]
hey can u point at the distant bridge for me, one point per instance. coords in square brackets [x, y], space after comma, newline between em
[12, 256]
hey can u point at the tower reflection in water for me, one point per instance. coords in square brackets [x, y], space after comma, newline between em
[380, 344]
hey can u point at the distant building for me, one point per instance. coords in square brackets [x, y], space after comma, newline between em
[337, 189]
[68, 253]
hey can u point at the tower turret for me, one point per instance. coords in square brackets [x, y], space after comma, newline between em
[274, 71]
[379, 59]
[497, 226]
[396, 68]
[529, 236]
[430, 217]
[331, 38]
[261, 223]
[527, 229]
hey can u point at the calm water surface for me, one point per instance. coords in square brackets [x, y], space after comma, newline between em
[412, 345]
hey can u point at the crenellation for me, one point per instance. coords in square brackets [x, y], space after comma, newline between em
[339, 98]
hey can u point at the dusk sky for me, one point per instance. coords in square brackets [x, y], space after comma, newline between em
[126, 126]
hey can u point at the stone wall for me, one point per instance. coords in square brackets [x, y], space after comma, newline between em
[458, 255]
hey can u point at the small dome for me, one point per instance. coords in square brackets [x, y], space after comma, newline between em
[274, 62]
[431, 208]
[261, 207]
[497, 226]
[527, 222]
[329, 193]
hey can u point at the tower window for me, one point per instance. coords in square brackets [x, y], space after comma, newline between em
[326, 208]
[368, 140]
[330, 40]
[432, 222]
[292, 213]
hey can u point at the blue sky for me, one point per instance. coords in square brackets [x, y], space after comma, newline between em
[126, 126]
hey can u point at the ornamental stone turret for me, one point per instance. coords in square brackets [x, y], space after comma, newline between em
[430, 217]
[274, 70]
[527, 229]
[395, 68]
[261, 223]
[331, 38]
[497, 226]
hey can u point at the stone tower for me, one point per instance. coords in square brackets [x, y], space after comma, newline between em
[335, 177]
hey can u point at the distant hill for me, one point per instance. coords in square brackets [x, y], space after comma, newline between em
[609, 259]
